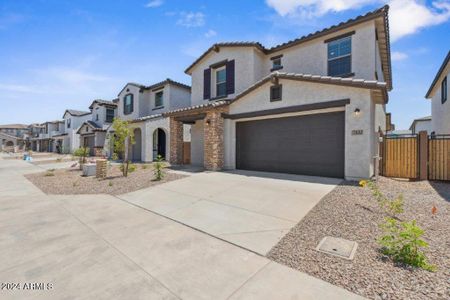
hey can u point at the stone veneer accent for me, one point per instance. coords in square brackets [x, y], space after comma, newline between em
[213, 138]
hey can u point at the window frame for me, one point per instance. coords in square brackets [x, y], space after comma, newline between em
[224, 82]
[106, 115]
[161, 92]
[131, 109]
[444, 90]
[272, 88]
[349, 55]
[279, 66]
[69, 123]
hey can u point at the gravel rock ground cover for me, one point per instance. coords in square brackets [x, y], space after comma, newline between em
[70, 181]
[352, 213]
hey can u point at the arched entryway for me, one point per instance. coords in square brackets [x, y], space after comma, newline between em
[136, 149]
[159, 143]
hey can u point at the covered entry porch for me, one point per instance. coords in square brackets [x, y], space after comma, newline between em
[207, 139]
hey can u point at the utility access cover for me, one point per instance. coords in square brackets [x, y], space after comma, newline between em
[338, 247]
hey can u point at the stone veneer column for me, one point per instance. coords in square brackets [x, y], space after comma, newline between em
[213, 143]
[176, 142]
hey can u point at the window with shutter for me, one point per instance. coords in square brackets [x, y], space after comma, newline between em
[444, 90]
[230, 77]
[207, 84]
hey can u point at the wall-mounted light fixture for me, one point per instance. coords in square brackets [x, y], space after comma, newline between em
[357, 111]
[208, 121]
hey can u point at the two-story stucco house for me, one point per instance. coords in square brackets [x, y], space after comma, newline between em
[73, 119]
[93, 132]
[440, 104]
[143, 107]
[313, 106]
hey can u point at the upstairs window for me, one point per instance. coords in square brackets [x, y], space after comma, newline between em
[275, 93]
[68, 122]
[96, 117]
[444, 90]
[159, 99]
[109, 115]
[276, 63]
[128, 104]
[340, 57]
[221, 82]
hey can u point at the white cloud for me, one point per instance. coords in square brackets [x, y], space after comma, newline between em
[191, 19]
[210, 33]
[409, 16]
[397, 55]
[405, 16]
[154, 3]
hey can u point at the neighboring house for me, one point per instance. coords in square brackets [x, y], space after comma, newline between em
[33, 136]
[421, 124]
[13, 137]
[73, 119]
[389, 125]
[93, 132]
[440, 104]
[143, 107]
[313, 106]
[47, 141]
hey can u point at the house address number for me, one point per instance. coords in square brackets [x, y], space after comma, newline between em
[357, 132]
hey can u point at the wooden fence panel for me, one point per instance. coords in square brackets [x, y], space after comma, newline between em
[400, 157]
[439, 159]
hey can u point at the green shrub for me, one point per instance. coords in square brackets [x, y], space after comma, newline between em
[115, 156]
[144, 167]
[392, 207]
[131, 167]
[158, 167]
[402, 242]
[49, 173]
[110, 183]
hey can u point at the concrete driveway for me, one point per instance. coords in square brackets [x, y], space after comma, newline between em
[103, 247]
[253, 210]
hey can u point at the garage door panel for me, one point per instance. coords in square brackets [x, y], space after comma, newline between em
[310, 145]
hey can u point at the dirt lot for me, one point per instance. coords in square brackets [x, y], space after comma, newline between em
[352, 213]
[70, 181]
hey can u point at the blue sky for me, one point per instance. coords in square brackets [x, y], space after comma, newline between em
[58, 54]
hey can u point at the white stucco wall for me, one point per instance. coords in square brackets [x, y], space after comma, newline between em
[359, 149]
[425, 125]
[138, 105]
[441, 112]
[73, 139]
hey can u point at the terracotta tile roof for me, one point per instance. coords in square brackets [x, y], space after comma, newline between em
[146, 118]
[76, 113]
[14, 126]
[439, 73]
[211, 104]
[102, 102]
[381, 12]
[352, 82]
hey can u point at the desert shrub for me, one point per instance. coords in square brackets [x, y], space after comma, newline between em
[402, 242]
[110, 183]
[131, 168]
[158, 167]
[49, 173]
[115, 156]
[81, 153]
[144, 167]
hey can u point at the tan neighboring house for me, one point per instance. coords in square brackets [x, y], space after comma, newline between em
[314, 105]
[13, 137]
[92, 133]
[143, 106]
[440, 104]
[421, 124]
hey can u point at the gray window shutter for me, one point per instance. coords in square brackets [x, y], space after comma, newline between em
[207, 84]
[230, 77]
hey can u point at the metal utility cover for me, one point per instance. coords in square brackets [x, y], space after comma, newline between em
[338, 247]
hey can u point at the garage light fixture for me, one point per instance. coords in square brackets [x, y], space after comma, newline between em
[357, 111]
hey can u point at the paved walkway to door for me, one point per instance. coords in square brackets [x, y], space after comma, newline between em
[103, 247]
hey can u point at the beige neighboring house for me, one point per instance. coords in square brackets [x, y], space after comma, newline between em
[421, 124]
[92, 133]
[13, 137]
[143, 106]
[314, 105]
[440, 104]
[73, 119]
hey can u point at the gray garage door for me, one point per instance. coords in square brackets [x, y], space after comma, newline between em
[309, 145]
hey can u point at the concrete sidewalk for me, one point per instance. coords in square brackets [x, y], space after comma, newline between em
[102, 247]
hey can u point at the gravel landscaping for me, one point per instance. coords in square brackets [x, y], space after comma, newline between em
[352, 213]
[70, 181]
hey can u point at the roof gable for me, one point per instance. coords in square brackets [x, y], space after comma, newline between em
[438, 75]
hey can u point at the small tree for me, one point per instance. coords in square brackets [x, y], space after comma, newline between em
[158, 168]
[123, 139]
[82, 153]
